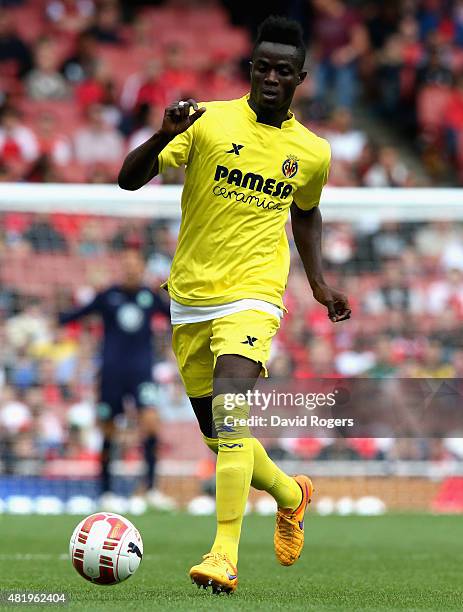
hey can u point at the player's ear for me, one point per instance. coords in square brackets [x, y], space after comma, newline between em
[301, 77]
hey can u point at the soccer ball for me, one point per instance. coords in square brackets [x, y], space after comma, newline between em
[106, 548]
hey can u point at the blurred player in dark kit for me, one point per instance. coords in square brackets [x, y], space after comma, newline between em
[126, 310]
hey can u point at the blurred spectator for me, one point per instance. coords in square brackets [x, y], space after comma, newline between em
[150, 124]
[389, 75]
[388, 242]
[145, 88]
[449, 331]
[51, 142]
[388, 171]
[15, 55]
[394, 293]
[340, 39]
[446, 293]
[100, 89]
[338, 449]
[18, 143]
[221, 80]
[107, 24]
[141, 31]
[346, 143]
[178, 80]
[452, 254]
[128, 234]
[453, 117]
[24, 372]
[15, 416]
[431, 238]
[457, 362]
[80, 65]
[70, 16]
[43, 171]
[357, 360]
[53, 394]
[383, 366]
[43, 237]
[61, 349]
[281, 365]
[28, 327]
[433, 364]
[44, 82]
[159, 249]
[434, 68]
[91, 240]
[339, 245]
[97, 141]
[364, 162]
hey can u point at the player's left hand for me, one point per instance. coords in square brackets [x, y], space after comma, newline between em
[336, 302]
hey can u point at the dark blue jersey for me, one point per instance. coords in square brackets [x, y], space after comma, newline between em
[127, 339]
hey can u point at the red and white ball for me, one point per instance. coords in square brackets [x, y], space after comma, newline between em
[106, 548]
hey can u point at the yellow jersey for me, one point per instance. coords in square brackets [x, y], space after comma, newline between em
[241, 178]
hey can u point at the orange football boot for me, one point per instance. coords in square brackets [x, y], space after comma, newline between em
[289, 529]
[216, 571]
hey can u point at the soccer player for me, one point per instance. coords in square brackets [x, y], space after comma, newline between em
[126, 310]
[249, 163]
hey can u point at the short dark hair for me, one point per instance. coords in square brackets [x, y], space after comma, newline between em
[278, 29]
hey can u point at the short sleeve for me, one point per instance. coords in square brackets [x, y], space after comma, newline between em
[308, 195]
[177, 152]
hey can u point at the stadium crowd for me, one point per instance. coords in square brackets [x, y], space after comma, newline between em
[84, 81]
[405, 282]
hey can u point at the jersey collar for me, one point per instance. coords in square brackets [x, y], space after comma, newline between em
[252, 115]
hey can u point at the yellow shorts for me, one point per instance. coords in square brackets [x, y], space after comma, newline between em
[197, 345]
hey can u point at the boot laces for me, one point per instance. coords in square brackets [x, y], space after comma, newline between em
[215, 559]
[286, 524]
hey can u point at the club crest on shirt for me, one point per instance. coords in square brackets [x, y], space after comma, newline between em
[290, 166]
[129, 317]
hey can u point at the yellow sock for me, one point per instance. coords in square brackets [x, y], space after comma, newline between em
[234, 468]
[267, 476]
[234, 471]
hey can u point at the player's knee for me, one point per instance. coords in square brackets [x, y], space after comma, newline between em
[231, 416]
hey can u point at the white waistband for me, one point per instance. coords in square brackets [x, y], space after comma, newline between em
[195, 314]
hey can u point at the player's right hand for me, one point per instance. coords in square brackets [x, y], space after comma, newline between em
[177, 117]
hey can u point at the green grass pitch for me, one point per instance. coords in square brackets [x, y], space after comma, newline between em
[392, 562]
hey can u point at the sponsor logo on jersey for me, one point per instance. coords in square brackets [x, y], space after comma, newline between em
[254, 181]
